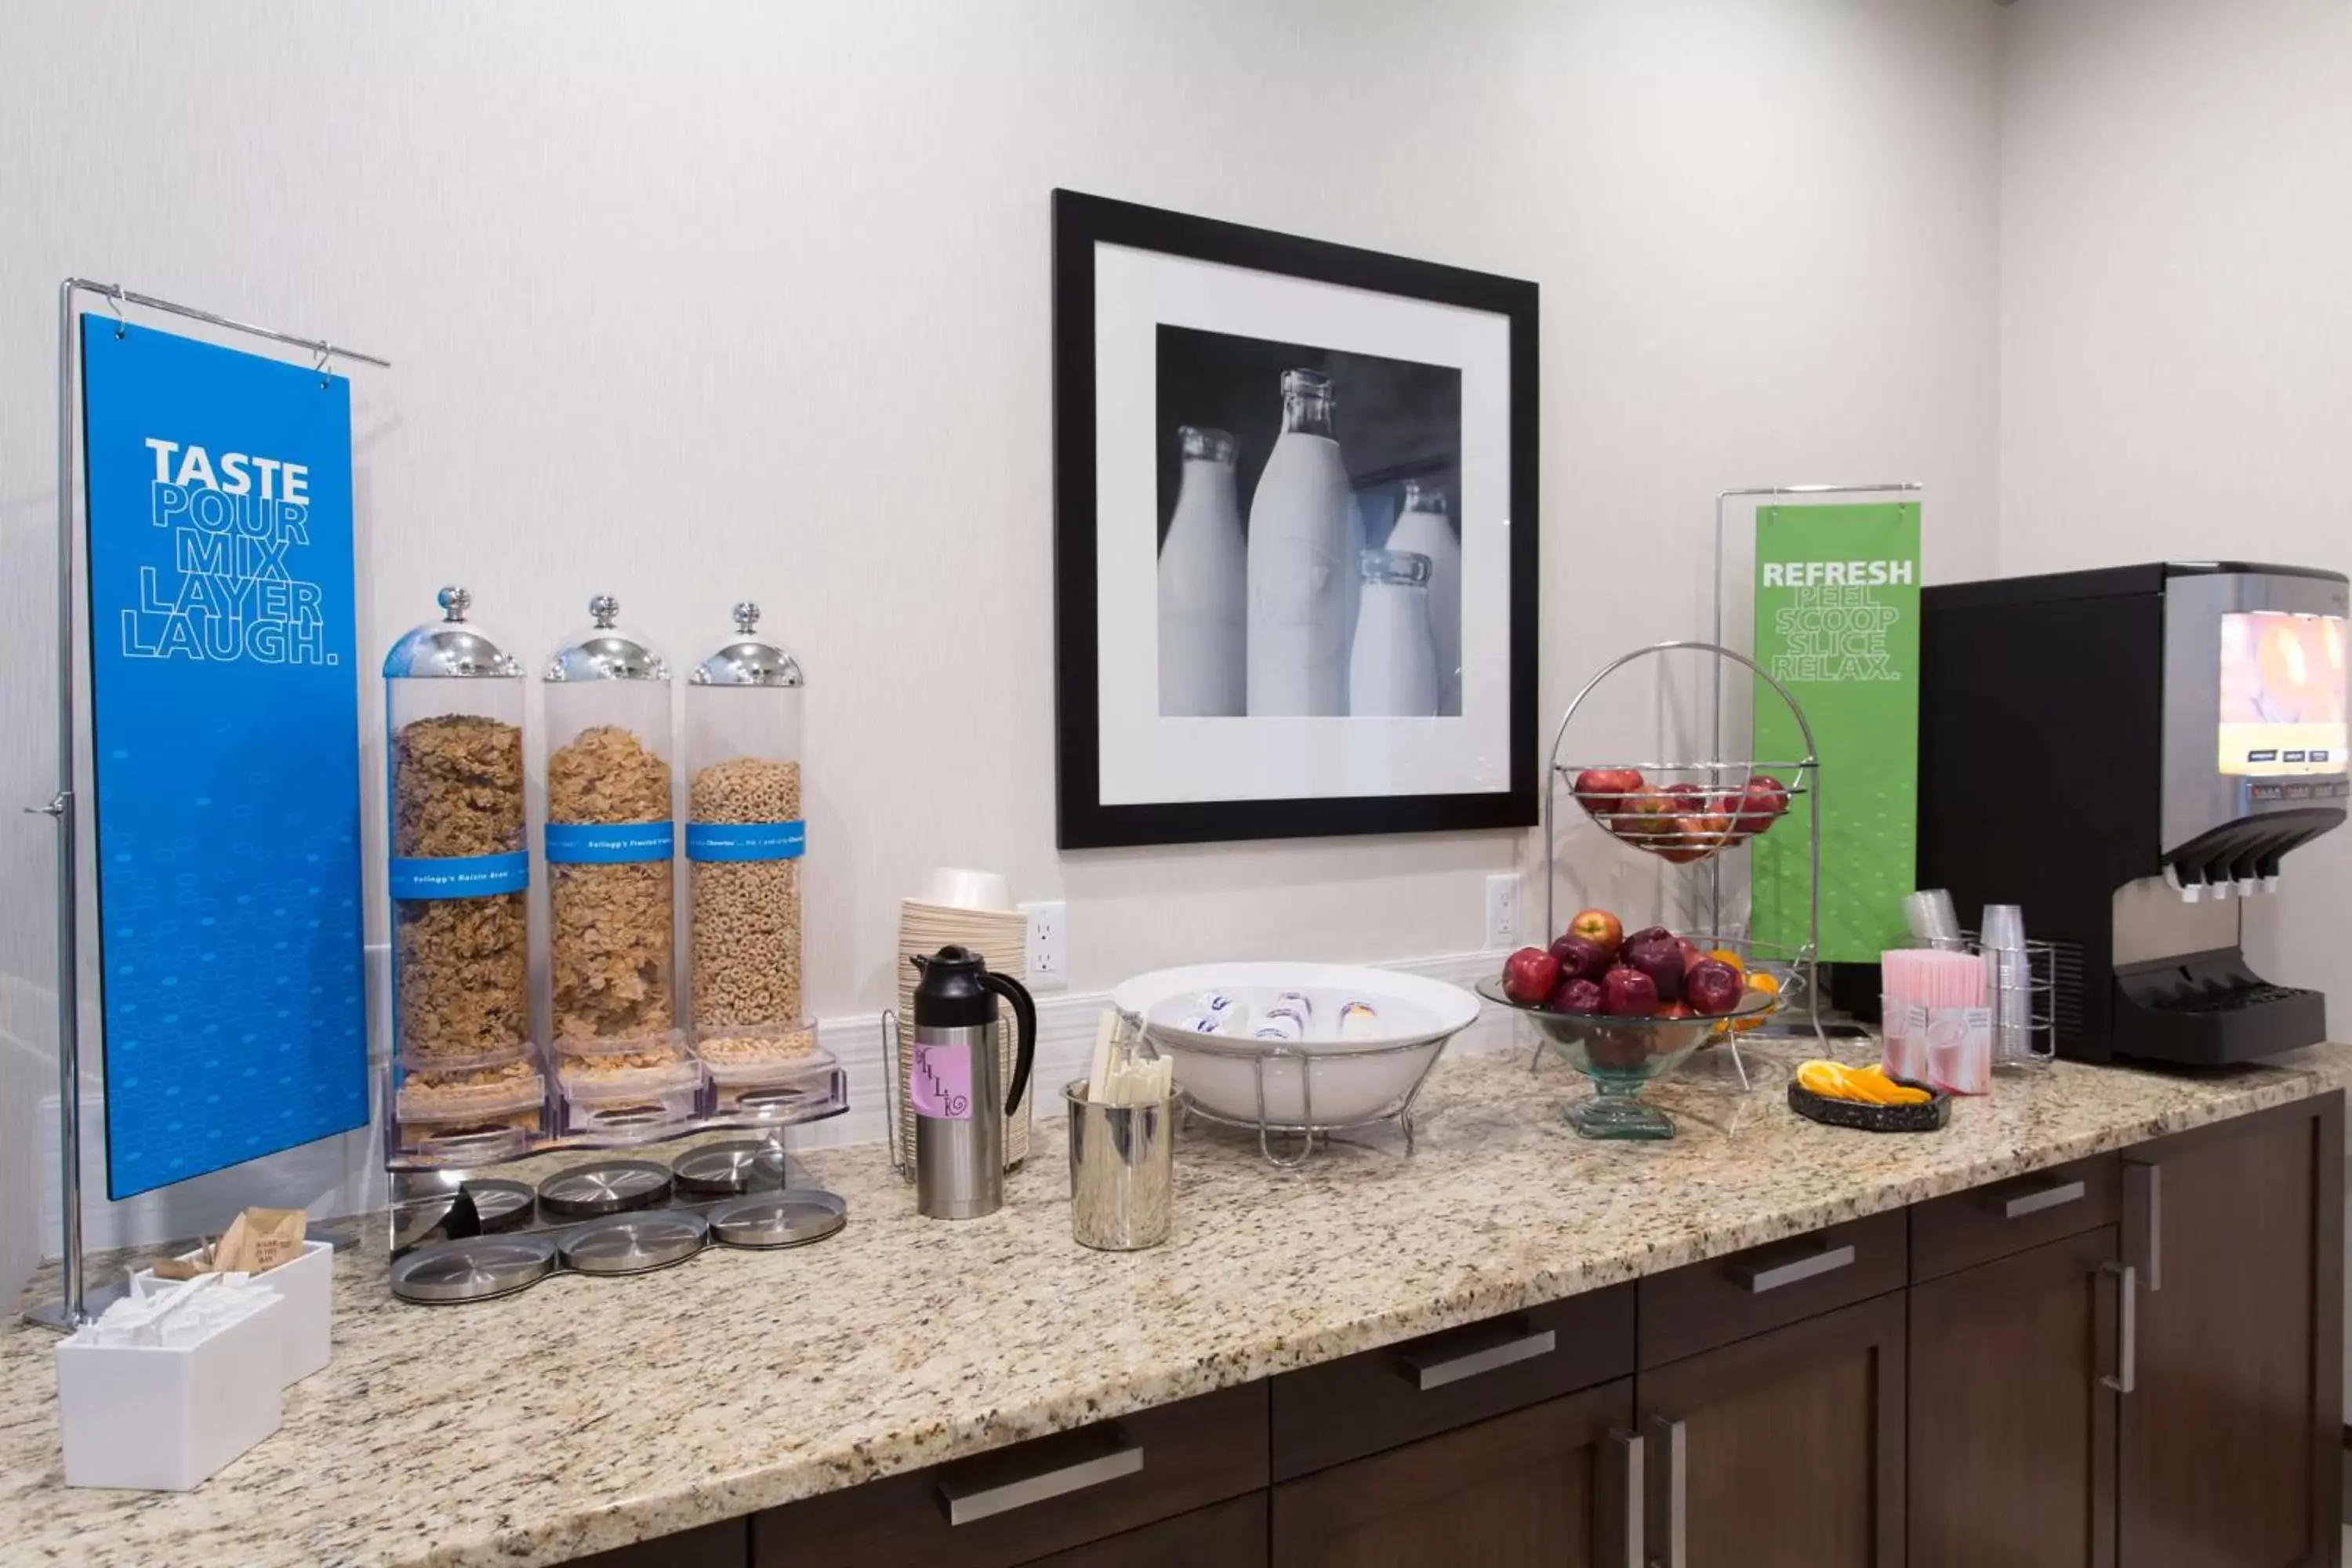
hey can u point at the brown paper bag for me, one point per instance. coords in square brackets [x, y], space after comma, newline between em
[259, 1240]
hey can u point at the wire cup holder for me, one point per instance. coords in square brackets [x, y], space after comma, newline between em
[2028, 998]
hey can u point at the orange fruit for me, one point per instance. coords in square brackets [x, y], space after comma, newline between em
[1766, 984]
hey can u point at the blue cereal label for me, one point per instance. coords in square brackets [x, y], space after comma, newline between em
[746, 840]
[459, 876]
[608, 843]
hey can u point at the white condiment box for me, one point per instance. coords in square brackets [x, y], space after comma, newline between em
[164, 1418]
[305, 1326]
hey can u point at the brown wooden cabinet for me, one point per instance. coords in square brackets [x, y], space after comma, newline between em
[1785, 1450]
[2119, 1362]
[2228, 1452]
[1548, 1484]
[2012, 1416]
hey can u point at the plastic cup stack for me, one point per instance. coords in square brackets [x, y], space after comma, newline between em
[2012, 990]
[1929, 916]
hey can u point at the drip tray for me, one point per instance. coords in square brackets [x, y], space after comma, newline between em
[633, 1244]
[479, 1269]
[793, 1217]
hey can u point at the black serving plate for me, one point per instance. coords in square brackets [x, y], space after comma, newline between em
[1928, 1118]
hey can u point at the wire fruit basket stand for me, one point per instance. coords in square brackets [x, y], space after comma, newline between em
[1688, 813]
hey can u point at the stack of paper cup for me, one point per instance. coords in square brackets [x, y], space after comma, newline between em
[972, 909]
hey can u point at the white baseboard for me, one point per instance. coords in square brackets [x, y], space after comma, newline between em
[345, 1174]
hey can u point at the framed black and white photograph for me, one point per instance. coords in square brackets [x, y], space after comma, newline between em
[1290, 597]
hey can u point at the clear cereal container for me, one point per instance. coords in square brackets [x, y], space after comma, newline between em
[457, 876]
[609, 844]
[744, 839]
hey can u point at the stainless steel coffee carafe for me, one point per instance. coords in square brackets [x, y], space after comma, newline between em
[953, 1082]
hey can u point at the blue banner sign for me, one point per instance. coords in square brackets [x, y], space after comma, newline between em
[459, 876]
[224, 729]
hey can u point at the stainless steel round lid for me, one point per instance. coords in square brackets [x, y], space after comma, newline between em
[746, 660]
[609, 1186]
[475, 1270]
[450, 647]
[604, 652]
[633, 1244]
[790, 1218]
[501, 1204]
[723, 1170]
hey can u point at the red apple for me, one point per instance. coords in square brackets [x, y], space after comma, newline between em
[1599, 927]
[1714, 987]
[1662, 962]
[1696, 836]
[1645, 813]
[1629, 992]
[1529, 976]
[1577, 997]
[1580, 958]
[1692, 953]
[1603, 789]
[1761, 804]
[1649, 935]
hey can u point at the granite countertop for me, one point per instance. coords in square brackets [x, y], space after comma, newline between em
[587, 1414]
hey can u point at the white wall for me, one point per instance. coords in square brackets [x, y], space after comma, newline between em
[2176, 321]
[696, 301]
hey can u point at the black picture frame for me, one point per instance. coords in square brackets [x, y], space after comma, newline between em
[1081, 223]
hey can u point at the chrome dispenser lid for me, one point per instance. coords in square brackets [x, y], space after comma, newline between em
[479, 1269]
[633, 1244]
[726, 1169]
[793, 1217]
[608, 1186]
[604, 652]
[450, 646]
[746, 660]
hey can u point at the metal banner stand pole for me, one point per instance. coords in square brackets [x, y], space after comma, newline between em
[77, 1303]
[1765, 492]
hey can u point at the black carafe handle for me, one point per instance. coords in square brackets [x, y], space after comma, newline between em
[1025, 1020]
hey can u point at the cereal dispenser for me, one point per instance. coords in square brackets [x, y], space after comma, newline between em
[465, 1088]
[744, 839]
[623, 1075]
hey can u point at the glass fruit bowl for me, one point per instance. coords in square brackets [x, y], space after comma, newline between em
[1622, 1055]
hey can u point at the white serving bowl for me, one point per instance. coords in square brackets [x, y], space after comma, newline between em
[1340, 1081]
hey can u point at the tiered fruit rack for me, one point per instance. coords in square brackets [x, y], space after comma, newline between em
[1679, 846]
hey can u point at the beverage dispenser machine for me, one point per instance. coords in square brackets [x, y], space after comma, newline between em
[2129, 754]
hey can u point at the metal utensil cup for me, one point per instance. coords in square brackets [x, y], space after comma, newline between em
[1122, 1172]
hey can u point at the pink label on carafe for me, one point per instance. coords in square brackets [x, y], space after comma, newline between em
[941, 1082]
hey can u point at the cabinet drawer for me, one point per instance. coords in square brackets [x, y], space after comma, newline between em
[2006, 1217]
[726, 1544]
[1230, 1535]
[1730, 1297]
[1033, 1498]
[1362, 1404]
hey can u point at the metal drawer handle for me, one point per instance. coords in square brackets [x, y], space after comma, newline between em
[2126, 1373]
[967, 1503]
[1761, 1276]
[2057, 1195]
[1669, 1503]
[1617, 1504]
[1437, 1370]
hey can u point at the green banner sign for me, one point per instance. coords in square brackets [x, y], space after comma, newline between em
[1837, 622]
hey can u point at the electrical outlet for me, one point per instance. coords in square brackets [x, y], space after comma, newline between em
[1503, 909]
[1049, 945]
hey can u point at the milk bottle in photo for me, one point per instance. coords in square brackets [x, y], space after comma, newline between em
[1394, 668]
[1298, 569]
[1203, 577]
[1423, 529]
